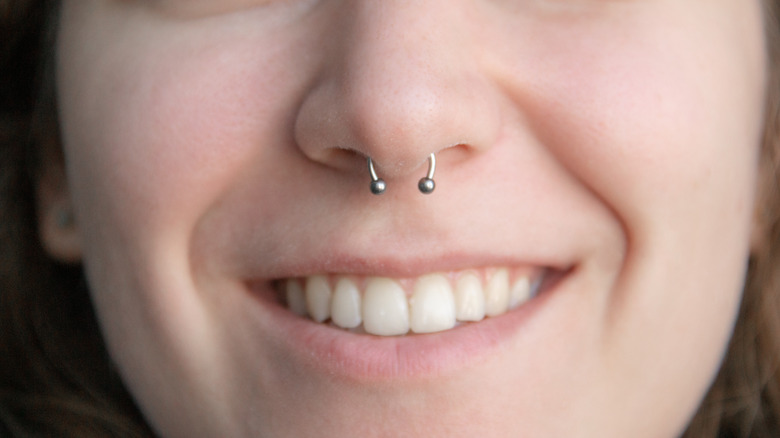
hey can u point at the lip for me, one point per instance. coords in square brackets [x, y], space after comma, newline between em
[363, 357]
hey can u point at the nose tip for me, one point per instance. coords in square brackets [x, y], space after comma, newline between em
[399, 129]
[396, 89]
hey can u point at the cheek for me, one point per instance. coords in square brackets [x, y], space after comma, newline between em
[163, 121]
[661, 123]
[156, 126]
[661, 119]
[673, 151]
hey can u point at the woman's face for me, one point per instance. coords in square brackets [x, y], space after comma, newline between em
[602, 151]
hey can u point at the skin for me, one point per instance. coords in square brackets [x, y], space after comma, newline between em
[209, 143]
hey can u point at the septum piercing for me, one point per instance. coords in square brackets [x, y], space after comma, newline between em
[426, 184]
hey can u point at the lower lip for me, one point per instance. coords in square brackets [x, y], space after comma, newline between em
[342, 353]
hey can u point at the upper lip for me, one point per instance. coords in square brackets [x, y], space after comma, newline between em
[407, 265]
[356, 245]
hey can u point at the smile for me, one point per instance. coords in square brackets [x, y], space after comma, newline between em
[427, 304]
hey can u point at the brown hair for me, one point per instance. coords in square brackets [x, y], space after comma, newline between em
[56, 378]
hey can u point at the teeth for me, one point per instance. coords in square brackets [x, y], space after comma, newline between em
[318, 298]
[345, 310]
[497, 293]
[385, 308]
[469, 298]
[296, 300]
[432, 307]
[437, 303]
[520, 292]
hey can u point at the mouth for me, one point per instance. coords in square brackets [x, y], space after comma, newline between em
[430, 303]
[370, 328]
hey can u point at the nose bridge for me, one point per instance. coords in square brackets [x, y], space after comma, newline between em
[397, 87]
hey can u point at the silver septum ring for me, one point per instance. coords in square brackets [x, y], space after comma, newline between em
[426, 184]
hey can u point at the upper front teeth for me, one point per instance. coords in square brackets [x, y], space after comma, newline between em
[345, 309]
[432, 306]
[384, 308]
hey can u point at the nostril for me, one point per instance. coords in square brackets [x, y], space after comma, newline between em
[341, 159]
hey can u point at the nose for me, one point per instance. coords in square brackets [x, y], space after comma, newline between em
[399, 80]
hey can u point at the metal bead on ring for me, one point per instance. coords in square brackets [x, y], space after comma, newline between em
[378, 185]
[426, 184]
